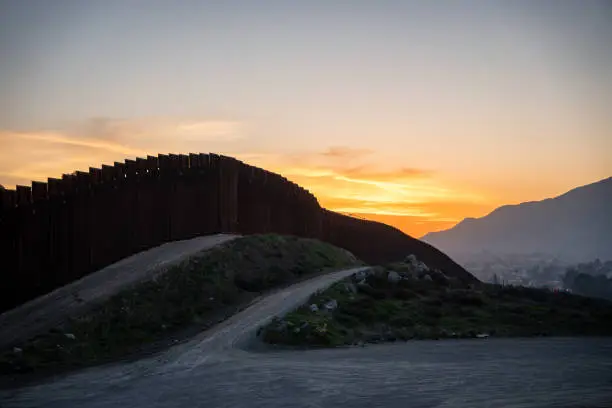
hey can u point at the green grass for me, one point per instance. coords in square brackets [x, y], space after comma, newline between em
[440, 308]
[195, 294]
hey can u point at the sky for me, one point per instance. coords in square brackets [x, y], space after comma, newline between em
[414, 113]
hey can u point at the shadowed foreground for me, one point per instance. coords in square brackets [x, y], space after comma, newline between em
[218, 369]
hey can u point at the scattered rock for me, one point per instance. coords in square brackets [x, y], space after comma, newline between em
[331, 305]
[410, 259]
[350, 288]
[70, 336]
[361, 275]
[409, 275]
[394, 277]
[417, 265]
[314, 308]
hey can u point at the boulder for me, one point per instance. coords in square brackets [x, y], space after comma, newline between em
[394, 277]
[361, 275]
[427, 277]
[70, 336]
[410, 259]
[314, 307]
[417, 265]
[331, 305]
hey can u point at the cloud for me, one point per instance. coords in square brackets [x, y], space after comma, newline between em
[37, 155]
[60, 139]
[344, 179]
[345, 152]
[404, 173]
[139, 131]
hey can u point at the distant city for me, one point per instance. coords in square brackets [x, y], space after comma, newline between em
[541, 270]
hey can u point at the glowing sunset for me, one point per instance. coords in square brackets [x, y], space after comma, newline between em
[431, 115]
[243, 203]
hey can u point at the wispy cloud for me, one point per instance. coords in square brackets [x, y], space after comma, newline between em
[37, 155]
[362, 183]
[345, 152]
[60, 139]
[353, 181]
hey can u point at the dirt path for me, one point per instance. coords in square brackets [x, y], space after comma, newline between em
[48, 310]
[218, 369]
[225, 342]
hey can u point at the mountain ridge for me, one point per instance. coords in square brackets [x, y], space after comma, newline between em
[576, 225]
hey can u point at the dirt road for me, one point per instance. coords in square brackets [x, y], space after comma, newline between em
[219, 368]
[48, 310]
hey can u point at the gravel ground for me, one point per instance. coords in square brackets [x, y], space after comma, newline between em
[220, 368]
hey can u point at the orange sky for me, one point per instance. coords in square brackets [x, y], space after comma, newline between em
[418, 114]
[360, 182]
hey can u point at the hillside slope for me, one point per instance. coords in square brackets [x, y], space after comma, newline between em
[575, 226]
[54, 233]
[207, 286]
[377, 243]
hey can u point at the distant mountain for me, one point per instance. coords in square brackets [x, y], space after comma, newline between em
[575, 226]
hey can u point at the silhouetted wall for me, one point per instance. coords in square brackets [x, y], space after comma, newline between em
[56, 232]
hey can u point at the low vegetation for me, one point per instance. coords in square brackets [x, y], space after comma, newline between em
[195, 294]
[404, 301]
[590, 279]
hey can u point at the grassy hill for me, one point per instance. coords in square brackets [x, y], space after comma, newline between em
[406, 300]
[188, 298]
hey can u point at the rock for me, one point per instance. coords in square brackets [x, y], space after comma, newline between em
[305, 325]
[410, 259]
[417, 265]
[361, 275]
[394, 277]
[296, 330]
[409, 275]
[331, 305]
[314, 307]
[427, 277]
[70, 336]
[362, 282]
[421, 267]
[17, 350]
[482, 335]
[350, 288]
